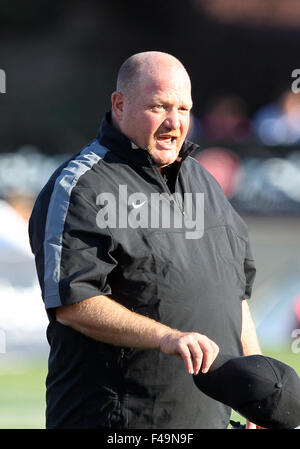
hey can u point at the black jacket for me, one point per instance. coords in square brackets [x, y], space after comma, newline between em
[192, 284]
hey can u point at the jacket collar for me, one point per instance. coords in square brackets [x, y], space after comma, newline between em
[125, 149]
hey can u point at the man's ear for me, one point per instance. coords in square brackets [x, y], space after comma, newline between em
[117, 102]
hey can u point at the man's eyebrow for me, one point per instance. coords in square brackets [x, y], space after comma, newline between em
[161, 100]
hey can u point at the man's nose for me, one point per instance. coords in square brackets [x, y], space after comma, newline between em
[172, 120]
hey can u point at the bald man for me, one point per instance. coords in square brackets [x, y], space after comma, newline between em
[137, 302]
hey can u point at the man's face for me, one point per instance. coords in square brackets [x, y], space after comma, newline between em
[157, 118]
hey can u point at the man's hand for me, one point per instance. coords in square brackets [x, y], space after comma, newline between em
[196, 350]
[108, 321]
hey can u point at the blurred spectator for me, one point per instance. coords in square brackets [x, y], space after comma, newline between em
[278, 123]
[226, 121]
[297, 311]
[22, 317]
[16, 260]
[22, 203]
[224, 166]
[26, 171]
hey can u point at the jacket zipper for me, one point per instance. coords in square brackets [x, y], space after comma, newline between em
[180, 207]
[122, 353]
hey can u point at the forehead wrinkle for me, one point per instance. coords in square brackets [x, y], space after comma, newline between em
[169, 97]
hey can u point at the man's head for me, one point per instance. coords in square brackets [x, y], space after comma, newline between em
[152, 104]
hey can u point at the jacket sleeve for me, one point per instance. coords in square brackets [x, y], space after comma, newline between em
[78, 254]
[246, 256]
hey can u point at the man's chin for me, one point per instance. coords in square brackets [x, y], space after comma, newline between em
[162, 158]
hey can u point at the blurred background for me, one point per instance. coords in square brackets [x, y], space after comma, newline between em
[60, 61]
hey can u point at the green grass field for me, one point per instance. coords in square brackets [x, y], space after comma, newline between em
[22, 390]
[22, 394]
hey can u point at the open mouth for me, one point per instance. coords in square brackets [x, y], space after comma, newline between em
[167, 141]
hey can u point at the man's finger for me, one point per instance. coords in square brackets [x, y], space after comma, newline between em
[207, 358]
[186, 356]
[196, 350]
[196, 355]
[210, 351]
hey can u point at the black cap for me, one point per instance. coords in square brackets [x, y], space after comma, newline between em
[264, 390]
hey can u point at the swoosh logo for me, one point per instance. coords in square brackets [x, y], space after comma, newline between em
[137, 205]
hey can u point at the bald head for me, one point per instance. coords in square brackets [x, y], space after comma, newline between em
[147, 65]
[152, 103]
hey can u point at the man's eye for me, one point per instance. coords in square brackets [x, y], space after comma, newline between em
[158, 106]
